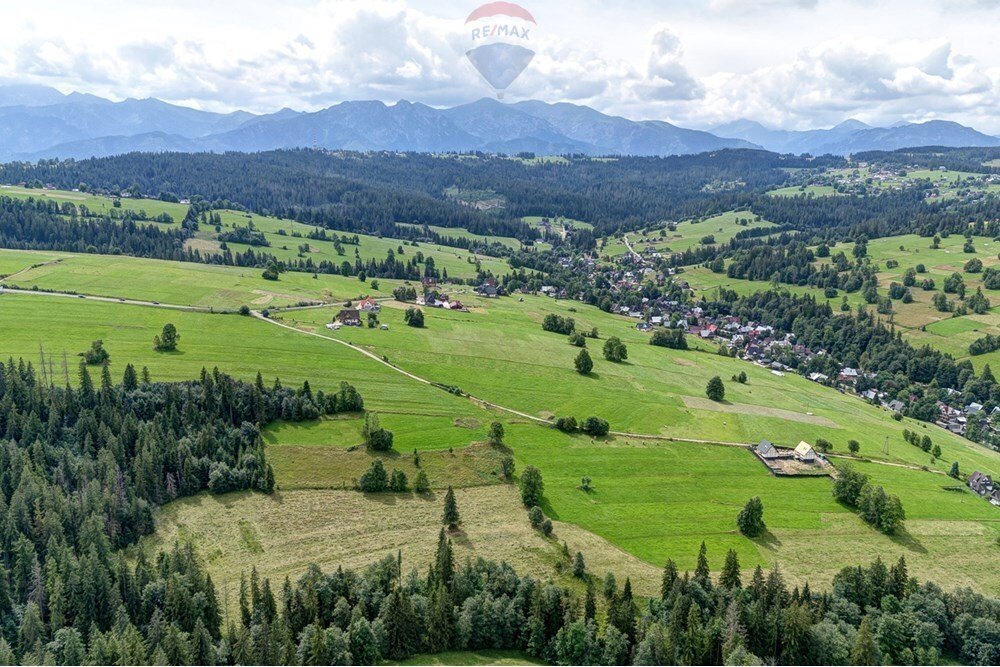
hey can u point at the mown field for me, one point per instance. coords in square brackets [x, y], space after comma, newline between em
[652, 499]
[284, 533]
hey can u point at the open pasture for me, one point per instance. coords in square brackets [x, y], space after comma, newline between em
[688, 234]
[499, 352]
[652, 499]
[285, 237]
[99, 204]
[181, 283]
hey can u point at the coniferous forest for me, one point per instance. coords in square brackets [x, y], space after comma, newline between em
[83, 470]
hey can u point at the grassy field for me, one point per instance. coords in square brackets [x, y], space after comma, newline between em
[182, 283]
[461, 233]
[499, 352]
[458, 262]
[282, 534]
[651, 500]
[722, 228]
[237, 345]
[15, 262]
[797, 190]
[285, 236]
[98, 204]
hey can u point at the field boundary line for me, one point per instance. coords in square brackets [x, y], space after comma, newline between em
[111, 299]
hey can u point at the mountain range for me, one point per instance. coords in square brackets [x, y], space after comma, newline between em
[39, 122]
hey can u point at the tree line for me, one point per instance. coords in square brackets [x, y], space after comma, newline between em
[82, 467]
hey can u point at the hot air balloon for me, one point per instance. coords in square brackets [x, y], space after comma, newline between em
[501, 35]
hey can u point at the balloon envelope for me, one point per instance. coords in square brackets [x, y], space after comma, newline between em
[500, 63]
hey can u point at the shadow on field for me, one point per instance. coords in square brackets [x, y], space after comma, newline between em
[768, 540]
[906, 539]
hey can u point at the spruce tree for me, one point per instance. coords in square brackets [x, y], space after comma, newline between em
[670, 575]
[450, 517]
[865, 650]
[701, 571]
[730, 576]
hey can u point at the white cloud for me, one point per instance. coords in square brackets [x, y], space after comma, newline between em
[795, 63]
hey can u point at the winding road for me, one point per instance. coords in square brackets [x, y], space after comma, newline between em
[376, 358]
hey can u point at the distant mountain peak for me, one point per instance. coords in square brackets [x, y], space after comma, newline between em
[852, 124]
[37, 122]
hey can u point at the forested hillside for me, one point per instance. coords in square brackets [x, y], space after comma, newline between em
[82, 470]
[372, 191]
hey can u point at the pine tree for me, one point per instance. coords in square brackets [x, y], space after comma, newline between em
[670, 575]
[444, 566]
[130, 380]
[865, 650]
[701, 570]
[579, 567]
[590, 603]
[450, 517]
[730, 576]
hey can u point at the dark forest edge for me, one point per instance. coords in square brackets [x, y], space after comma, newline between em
[84, 467]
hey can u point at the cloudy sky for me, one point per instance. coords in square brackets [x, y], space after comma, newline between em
[790, 63]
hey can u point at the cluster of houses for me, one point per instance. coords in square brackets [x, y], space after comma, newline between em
[803, 452]
[352, 317]
[800, 460]
[983, 485]
[957, 419]
[760, 344]
[432, 297]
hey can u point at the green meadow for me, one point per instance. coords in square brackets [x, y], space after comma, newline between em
[462, 233]
[498, 352]
[182, 283]
[688, 234]
[804, 190]
[651, 499]
[99, 204]
[285, 236]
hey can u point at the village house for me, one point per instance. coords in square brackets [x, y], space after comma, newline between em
[848, 375]
[984, 486]
[369, 305]
[349, 317]
[767, 450]
[805, 453]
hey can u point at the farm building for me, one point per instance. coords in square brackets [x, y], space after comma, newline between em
[805, 452]
[349, 317]
[767, 450]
